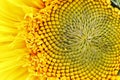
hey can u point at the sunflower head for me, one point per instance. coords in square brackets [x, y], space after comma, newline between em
[71, 40]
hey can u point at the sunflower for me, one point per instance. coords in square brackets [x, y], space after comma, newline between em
[59, 40]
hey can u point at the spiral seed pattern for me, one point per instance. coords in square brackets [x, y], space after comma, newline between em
[75, 39]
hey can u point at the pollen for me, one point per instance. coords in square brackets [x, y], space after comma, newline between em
[74, 40]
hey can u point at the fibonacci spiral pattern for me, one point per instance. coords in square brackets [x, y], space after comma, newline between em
[74, 39]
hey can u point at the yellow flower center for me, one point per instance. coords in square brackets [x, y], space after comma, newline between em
[74, 39]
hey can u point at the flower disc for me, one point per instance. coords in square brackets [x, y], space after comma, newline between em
[74, 39]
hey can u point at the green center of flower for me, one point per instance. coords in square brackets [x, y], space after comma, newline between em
[78, 40]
